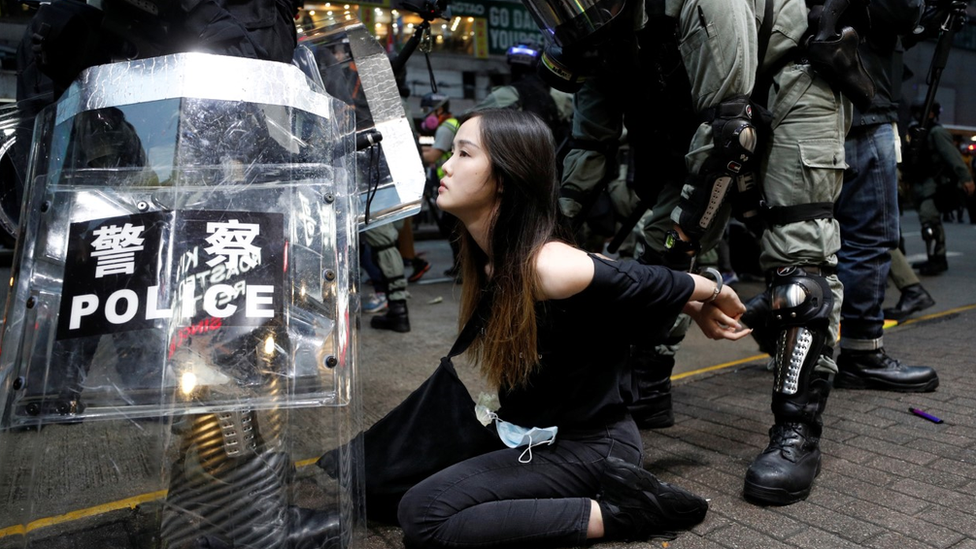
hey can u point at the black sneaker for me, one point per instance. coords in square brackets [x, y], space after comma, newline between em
[420, 268]
[454, 272]
[636, 506]
[935, 265]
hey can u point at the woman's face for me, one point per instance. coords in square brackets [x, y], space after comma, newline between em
[467, 190]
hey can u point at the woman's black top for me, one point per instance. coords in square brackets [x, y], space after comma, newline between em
[583, 379]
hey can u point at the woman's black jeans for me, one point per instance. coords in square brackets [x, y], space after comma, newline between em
[493, 500]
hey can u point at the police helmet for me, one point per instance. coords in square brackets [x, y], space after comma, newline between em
[574, 24]
[575, 33]
[431, 101]
[524, 54]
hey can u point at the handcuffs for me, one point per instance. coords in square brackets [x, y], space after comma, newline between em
[712, 273]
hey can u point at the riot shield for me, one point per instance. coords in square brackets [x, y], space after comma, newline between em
[179, 340]
[355, 69]
[12, 165]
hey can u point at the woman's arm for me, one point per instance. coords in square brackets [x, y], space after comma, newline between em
[563, 271]
[704, 288]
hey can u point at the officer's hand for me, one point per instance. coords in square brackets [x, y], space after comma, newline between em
[969, 187]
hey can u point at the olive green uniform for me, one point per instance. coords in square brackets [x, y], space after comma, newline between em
[804, 159]
[383, 241]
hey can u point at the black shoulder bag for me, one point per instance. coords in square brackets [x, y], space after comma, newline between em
[433, 428]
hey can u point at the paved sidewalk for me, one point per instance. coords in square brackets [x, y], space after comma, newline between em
[890, 479]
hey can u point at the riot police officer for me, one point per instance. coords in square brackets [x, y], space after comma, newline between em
[798, 155]
[939, 181]
[738, 66]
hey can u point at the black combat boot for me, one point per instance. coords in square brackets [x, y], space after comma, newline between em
[395, 318]
[933, 234]
[876, 370]
[651, 379]
[913, 299]
[935, 265]
[636, 506]
[313, 529]
[784, 472]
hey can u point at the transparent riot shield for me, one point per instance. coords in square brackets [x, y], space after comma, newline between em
[356, 69]
[11, 167]
[179, 342]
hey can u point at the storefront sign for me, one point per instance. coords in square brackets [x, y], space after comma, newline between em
[508, 23]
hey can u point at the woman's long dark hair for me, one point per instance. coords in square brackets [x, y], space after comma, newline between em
[523, 162]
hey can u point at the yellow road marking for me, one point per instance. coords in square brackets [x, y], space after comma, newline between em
[888, 324]
[937, 315]
[718, 366]
[131, 503]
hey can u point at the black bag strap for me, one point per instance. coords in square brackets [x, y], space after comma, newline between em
[764, 79]
[765, 31]
[472, 328]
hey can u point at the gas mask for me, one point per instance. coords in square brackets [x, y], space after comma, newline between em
[430, 123]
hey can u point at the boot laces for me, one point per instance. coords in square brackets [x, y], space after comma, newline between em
[889, 363]
[790, 439]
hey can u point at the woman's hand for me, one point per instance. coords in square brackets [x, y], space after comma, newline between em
[719, 319]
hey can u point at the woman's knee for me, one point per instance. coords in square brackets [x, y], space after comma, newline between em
[415, 519]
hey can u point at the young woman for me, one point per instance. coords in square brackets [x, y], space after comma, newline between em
[554, 340]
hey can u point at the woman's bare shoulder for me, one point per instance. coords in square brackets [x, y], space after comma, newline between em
[563, 270]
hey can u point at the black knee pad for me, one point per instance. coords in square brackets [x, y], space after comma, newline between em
[736, 139]
[800, 302]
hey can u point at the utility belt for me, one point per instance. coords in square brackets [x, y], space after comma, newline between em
[834, 30]
[819, 271]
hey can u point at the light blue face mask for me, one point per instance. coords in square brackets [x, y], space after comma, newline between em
[516, 436]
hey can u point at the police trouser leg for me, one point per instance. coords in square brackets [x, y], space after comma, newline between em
[933, 234]
[383, 240]
[651, 368]
[801, 302]
[56, 390]
[590, 164]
